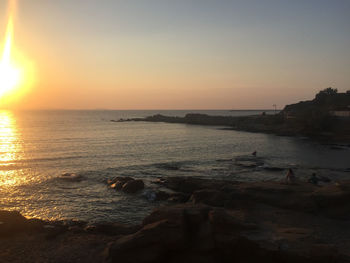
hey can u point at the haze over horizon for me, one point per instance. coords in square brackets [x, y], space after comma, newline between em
[193, 54]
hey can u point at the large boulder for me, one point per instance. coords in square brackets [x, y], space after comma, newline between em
[119, 179]
[12, 222]
[133, 186]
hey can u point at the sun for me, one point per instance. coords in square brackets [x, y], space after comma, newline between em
[10, 75]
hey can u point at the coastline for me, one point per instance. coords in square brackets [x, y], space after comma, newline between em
[216, 220]
[270, 124]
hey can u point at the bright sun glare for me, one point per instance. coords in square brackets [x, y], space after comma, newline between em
[9, 75]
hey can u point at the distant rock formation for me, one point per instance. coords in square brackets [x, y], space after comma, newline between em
[316, 118]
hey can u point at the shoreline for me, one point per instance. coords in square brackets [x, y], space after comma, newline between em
[269, 124]
[214, 220]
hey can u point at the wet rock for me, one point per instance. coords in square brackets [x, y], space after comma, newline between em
[117, 186]
[133, 186]
[119, 179]
[71, 177]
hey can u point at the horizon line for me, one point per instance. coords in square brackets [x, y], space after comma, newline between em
[102, 109]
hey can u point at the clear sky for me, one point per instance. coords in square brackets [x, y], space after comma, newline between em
[181, 54]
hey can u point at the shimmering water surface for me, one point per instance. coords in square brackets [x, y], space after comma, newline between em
[36, 147]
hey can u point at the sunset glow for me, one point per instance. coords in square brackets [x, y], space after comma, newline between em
[10, 75]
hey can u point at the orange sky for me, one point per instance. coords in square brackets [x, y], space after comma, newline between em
[184, 55]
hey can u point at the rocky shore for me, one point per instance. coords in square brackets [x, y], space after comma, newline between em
[275, 124]
[213, 221]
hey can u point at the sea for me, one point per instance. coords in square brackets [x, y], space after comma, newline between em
[37, 147]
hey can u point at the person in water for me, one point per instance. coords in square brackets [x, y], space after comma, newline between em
[313, 179]
[254, 153]
[290, 177]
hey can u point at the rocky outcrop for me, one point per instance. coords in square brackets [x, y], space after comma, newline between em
[200, 233]
[309, 118]
[329, 200]
[12, 223]
[133, 186]
[222, 221]
[126, 184]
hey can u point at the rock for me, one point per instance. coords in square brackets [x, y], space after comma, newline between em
[177, 213]
[71, 177]
[209, 197]
[54, 231]
[161, 196]
[179, 197]
[133, 186]
[112, 229]
[150, 244]
[324, 253]
[117, 186]
[121, 179]
[35, 225]
[12, 222]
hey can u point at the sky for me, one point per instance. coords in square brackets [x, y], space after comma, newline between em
[180, 54]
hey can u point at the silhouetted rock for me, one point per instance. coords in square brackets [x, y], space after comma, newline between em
[133, 186]
[71, 177]
[308, 118]
[119, 179]
[210, 197]
[12, 222]
[112, 228]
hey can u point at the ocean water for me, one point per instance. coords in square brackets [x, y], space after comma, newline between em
[37, 147]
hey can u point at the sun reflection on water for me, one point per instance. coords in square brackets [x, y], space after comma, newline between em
[11, 150]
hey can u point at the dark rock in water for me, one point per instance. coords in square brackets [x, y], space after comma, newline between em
[71, 177]
[117, 186]
[133, 186]
[169, 166]
[249, 161]
[121, 179]
[274, 169]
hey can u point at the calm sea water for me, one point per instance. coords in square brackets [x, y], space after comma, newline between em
[36, 147]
